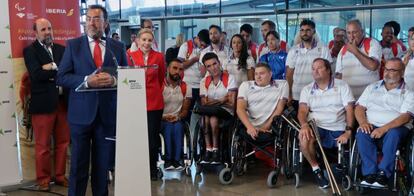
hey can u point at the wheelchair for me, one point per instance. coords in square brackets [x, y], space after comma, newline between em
[276, 140]
[401, 180]
[187, 155]
[292, 155]
[198, 148]
[293, 167]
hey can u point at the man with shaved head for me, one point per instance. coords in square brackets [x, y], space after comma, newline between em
[359, 59]
[48, 105]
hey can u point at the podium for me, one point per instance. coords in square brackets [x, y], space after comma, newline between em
[132, 153]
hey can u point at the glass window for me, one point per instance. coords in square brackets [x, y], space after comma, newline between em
[189, 27]
[232, 25]
[325, 23]
[188, 7]
[143, 8]
[228, 6]
[391, 1]
[323, 3]
[379, 17]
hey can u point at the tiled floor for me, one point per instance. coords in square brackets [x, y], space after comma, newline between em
[252, 183]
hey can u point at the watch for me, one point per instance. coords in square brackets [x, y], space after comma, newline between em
[348, 128]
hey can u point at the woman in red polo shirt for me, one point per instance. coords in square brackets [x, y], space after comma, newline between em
[154, 78]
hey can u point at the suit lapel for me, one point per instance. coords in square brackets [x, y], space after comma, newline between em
[107, 57]
[41, 51]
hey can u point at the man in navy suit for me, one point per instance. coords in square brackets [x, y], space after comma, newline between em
[91, 115]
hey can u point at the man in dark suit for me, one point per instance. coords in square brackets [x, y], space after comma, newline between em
[91, 115]
[48, 106]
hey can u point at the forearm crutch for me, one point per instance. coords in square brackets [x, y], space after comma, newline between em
[332, 180]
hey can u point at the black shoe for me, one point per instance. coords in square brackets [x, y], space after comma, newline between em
[168, 165]
[207, 157]
[178, 165]
[320, 178]
[215, 157]
[368, 180]
[382, 180]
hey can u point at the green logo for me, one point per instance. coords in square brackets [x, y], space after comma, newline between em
[8, 27]
[11, 86]
[125, 81]
[1, 132]
[13, 115]
[9, 57]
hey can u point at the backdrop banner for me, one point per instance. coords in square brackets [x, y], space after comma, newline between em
[16, 32]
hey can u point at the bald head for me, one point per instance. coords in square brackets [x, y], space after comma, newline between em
[43, 31]
[354, 31]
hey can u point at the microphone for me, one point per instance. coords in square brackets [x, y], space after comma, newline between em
[110, 51]
[131, 59]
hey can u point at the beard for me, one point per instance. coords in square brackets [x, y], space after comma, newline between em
[215, 41]
[48, 40]
[175, 77]
[391, 81]
[94, 33]
[306, 38]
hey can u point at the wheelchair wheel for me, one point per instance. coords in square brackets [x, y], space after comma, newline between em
[238, 148]
[346, 183]
[188, 147]
[197, 144]
[187, 171]
[199, 169]
[288, 168]
[354, 164]
[226, 176]
[160, 174]
[297, 180]
[272, 179]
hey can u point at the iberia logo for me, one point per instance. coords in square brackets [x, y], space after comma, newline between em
[68, 12]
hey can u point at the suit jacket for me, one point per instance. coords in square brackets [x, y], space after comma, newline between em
[77, 62]
[44, 92]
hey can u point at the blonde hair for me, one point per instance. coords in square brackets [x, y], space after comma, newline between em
[145, 30]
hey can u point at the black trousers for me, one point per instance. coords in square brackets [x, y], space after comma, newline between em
[154, 126]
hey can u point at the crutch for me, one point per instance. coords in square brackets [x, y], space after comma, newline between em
[332, 180]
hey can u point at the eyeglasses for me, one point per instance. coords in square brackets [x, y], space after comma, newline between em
[93, 19]
[391, 70]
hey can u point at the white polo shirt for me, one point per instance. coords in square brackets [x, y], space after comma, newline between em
[192, 75]
[409, 74]
[218, 91]
[223, 53]
[354, 73]
[262, 101]
[387, 53]
[173, 98]
[231, 66]
[383, 106]
[301, 59]
[327, 106]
